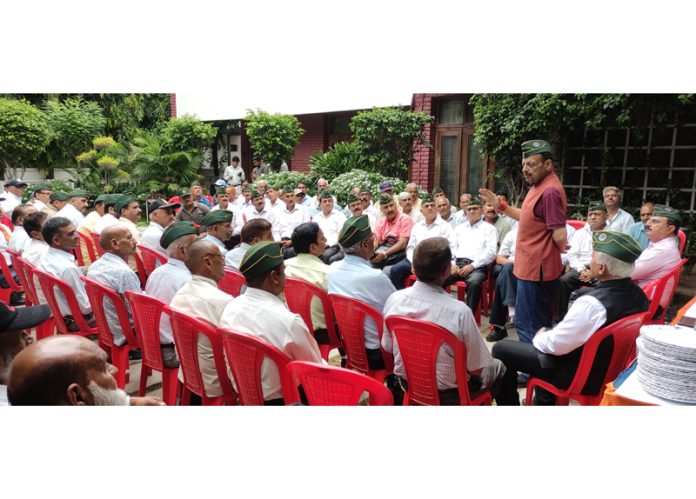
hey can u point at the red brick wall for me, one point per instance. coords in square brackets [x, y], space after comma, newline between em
[422, 170]
[312, 141]
[172, 105]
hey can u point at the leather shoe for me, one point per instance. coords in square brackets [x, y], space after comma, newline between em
[497, 334]
[135, 355]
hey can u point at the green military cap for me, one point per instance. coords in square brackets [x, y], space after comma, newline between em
[474, 202]
[217, 216]
[385, 199]
[354, 230]
[42, 187]
[365, 188]
[437, 190]
[428, 198]
[101, 198]
[536, 146]
[78, 193]
[184, 191]
[616, 244]
[662, 210]
[256, 194]
[261, 258]
[325, 195]
[175, 231]
[123, 201]
[596, 206]
[352, 198]
[110, 199]
[59, 196]
[246, 187]
[195, 183]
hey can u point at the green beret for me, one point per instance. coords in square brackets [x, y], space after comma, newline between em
[78, 193]
[261, 258]
[474, 202]
[596, 206]
[217, 216]
[666, 211]
[246, 188]
[352, 198]
[42, 187]
[123, 201]
[110, 199]
[354, 230]
[536, 146]
[256, 194]
[184, 191]
[385, 199]
[427, 198]
[175, 231]
[101, 198]
[437, 190]
[325, 195]
[195, 183]
[59, 196]
[616, 244]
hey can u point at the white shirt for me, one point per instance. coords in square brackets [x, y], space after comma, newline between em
[163, 284]
[34, 250]
[11, 201]
[37, 203]
[61, 264]
[19, 239]
[106, 221]
[331, 226]
[621, 222]
[289, 220]
[4, 401]
[430, 303]
[421, 231]
[580, 251]
[570, 231]
[237, 217]
[414, 215]
[131, 227]
[233, 258]
[71, 213]
[655, 261]
[234, 176]
[151, 237]
[478, 242]
[583, 319]
[260, 313]
[509, 245]
[266, 214]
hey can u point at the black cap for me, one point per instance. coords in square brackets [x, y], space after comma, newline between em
[15, 182]
[158, 204]
[16, 319]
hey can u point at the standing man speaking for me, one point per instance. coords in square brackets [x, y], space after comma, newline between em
[540, 240]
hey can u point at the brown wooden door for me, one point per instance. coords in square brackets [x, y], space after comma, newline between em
[459, 167]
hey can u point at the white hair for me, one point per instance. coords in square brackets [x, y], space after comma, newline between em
[104, 396]
[615, 267]
[403, 196]
[612, 188]
[174, 246]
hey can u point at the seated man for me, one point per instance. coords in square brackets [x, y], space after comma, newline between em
[554, 354]
[67, 370]
[201, 297]
[19, 236]
[579, 257]
[226, 201]
[36, 246]
[14, 324]
[190, 210]
[91, 219]
[290, 216]
[75, 208]
[356, 207]
[161, 216]
[61, 236]
[198, 196]
[169, 278]
[444, 208]
[431, 225]
[112, 271]
[391, 235]
[330, 221]
[427, 301]
[219, 225]
[259, 312]
[637, 230]
[474, 248]
[127, 210]
[309, 243]
[406, 205]
[109, 217]
[41, 195]
[56, 202]
[662, 254]
[618, 220]
[501, 226]
[253, 232]
[368, 208]
[258, 209]
[244, 202]
[505, 289]
[354, 277]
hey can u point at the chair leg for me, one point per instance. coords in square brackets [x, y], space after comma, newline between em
[185, 396]
[119, 358]
[324, 351]
[144, 374]
[170, 386]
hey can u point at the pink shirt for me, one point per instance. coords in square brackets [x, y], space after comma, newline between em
[400, 227]
[655, 261]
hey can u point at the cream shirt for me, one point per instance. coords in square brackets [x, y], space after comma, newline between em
[311, 269]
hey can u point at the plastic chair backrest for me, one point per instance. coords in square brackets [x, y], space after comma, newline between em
[419, 343]
[576, 224]
[97, 294]
[48, 284]
[89, 244]
[232, 283]
[95, 239]
[142, 273]
[682, 241]
[186, 328]
[299, 294]
[245, 353]
[329, 385]
[351, 315]
[31, 281]
[18, 266]
[150, 258]
[660, 293]
[147, 313]
[7, 273]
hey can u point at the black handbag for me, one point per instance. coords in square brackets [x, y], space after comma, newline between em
[393, 258]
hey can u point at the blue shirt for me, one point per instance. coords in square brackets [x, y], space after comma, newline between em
[354, 277]
[218, 243]
[637, 232]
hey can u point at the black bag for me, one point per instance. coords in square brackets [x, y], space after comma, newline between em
[393, 258]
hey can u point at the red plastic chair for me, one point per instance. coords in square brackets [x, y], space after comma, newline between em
[419, 343]
[299, 294]
[461, 293]
[660, 293]
[97, 294]
[151, 258]
[91, 251]
[48, 285]
[351, 315]
[329, 385]
[95, 239]
[245, 353]
[624, 333]
[186, 329]
[47, 328]
[18, 266]
[142, 273]
[232, 283]
[147, 314]
[6, 293]
[576, 224]
[682, 241]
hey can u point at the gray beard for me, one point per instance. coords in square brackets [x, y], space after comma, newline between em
[103, 396]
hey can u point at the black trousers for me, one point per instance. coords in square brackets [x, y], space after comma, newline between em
[505, 294]
[474, 281]
[399, 386]
[569, 282]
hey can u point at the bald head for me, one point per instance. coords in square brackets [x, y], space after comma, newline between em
[203, 258]
[117, 239]
[55, 371]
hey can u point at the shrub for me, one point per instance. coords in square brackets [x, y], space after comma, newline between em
[341, 158]
[272, 136]
[287, 180]
[341, 185]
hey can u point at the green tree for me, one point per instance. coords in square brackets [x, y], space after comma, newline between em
[186, 133]
[23, 135]
[385, 138]
[100, 169]
[126, 113]
[272, 136]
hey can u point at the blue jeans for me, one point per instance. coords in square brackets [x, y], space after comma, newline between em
[533, 309]
[399, 272]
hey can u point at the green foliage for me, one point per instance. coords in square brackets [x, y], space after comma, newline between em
[186, 133]
[385, 138]
[99, 170]
[339, 159]
[23, 134]
[341, 185]
[126, 113]
[272, 136]
[287, 180]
